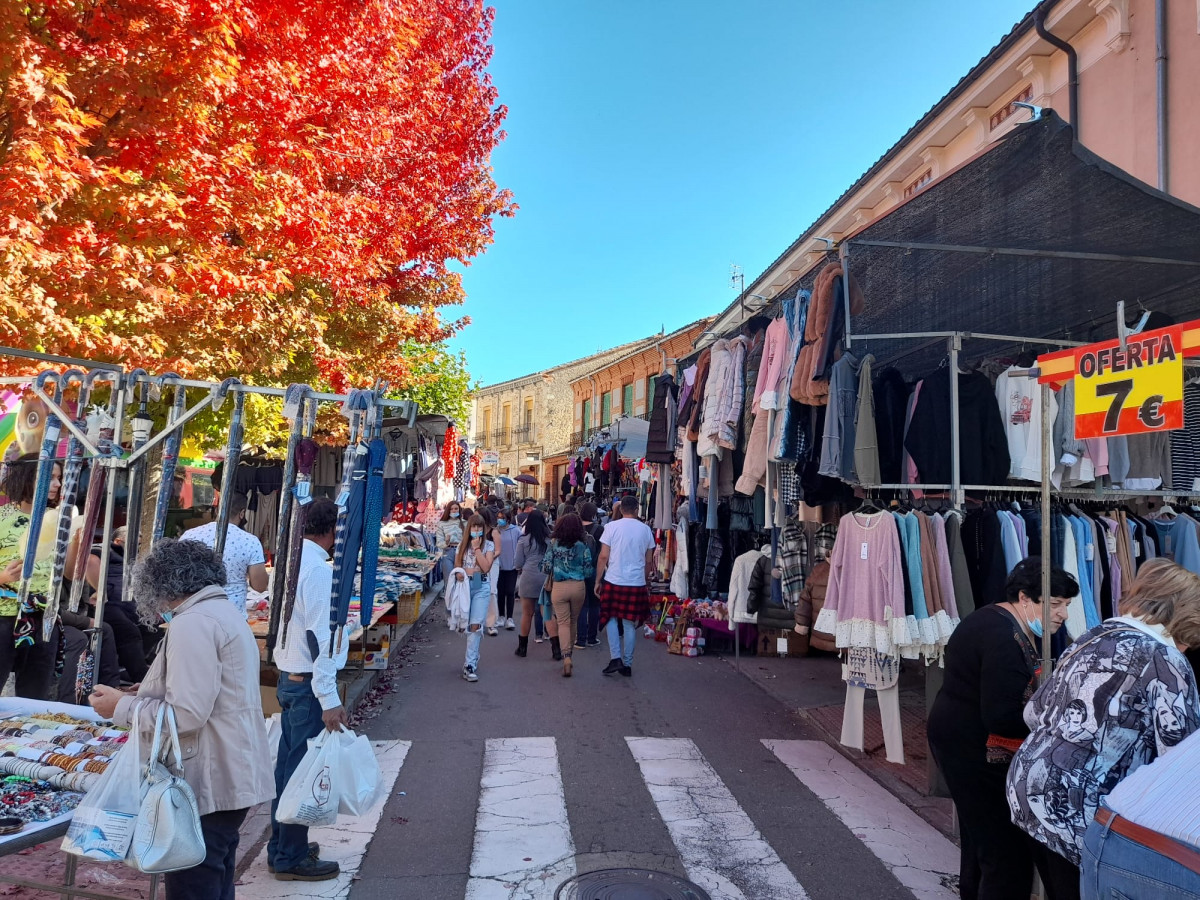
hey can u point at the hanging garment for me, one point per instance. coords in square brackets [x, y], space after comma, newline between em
[661, 436]
[964, 594]
[823, 330]
[695, 413]
[837, 443]
[1019, 397]
[1149, 461]
[983, 445]
[890, 398]
[866, 441]
[1178, 539]
[1068, 450]
[793, 559]
[809, 606]
[753, 365]
[864, 603]
[733, 394]
[771, 367]
[746, 587]
[1185, 443]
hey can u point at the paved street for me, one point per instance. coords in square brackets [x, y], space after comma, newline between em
[510, 786]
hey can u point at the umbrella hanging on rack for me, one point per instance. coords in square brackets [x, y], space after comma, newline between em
[170, 457]
[72, 466]
[141, 424]
[351, 501]
[295, 409]
[41, 489]
[98, 475]
[289, 572]
[233, 456]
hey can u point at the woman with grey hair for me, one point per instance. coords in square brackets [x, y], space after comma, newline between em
[207, 670]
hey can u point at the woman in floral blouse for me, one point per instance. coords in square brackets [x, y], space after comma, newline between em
[1122, 695]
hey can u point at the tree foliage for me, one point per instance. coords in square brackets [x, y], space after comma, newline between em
[442, 384]
[271, 187]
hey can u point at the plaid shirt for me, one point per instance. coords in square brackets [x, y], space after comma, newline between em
[823, 543]
[793, 559]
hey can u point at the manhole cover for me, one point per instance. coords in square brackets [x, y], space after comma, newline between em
[628, 884]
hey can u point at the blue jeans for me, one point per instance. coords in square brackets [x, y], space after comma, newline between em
[615, 639]
[589, 618]
[1114, 867]
[299, 721]
[481, 599]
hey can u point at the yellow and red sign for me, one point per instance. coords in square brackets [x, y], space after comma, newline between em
[1134, 390]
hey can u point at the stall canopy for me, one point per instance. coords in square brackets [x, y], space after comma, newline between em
[1024, 234]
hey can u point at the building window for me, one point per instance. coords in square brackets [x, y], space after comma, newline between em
[506, 423]
[923, 179]
[1001, 115]
[587, 415]
[487, 428]
[606, 408]
[651, 384]
[627, 399]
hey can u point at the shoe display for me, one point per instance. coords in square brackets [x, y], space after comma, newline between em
[310, 870]
[613, 667]
[469, 673]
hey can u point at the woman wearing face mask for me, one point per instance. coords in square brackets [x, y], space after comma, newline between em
[505, 536]
[976, 726]
[475, 557]
[448, 536]
[1121, 696]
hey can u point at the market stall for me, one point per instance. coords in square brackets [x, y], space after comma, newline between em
[825, 445]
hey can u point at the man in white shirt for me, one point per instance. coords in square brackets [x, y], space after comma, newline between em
[622, 583]
[307, 692]
[245, 563]
[1145, 840]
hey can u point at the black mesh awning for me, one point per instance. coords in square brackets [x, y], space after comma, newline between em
[1040, 192]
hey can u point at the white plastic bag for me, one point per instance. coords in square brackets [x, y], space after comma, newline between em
[102, 825]
[274, 726]
[312, 794]
[363, 781]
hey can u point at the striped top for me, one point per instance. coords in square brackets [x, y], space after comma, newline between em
[1164, 796]
[1185, 443]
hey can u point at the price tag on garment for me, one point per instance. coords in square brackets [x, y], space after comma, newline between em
[1090, 552]
[1110, 541]
[862, 553]
[1137, 389]
[1137, 548]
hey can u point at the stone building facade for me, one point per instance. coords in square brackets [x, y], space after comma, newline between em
[528, 421]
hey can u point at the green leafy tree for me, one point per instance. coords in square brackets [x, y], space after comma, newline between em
[441, 382]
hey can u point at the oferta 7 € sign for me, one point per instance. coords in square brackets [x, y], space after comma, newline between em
[1137, 389]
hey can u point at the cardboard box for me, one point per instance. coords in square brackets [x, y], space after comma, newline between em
[372, 655]
[268, 680]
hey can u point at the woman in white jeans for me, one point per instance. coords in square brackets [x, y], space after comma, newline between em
[475, 557]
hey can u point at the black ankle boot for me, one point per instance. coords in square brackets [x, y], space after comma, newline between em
[522, 645]
[556, 649]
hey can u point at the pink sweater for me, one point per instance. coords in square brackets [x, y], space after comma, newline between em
[864, 603]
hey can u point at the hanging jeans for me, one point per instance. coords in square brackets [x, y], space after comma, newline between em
[481, 602]
[621, 631]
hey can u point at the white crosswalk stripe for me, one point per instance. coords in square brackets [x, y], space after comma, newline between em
[523, 847]
[913, 850]
[719, 845]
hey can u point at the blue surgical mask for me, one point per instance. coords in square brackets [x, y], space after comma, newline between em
[476, 534]
[1035, 626]
[166, 617]
[455, 515]
[501, 522]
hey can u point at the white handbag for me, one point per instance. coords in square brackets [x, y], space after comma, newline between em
[167, 836]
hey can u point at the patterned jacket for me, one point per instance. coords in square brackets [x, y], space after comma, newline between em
[1121, 697]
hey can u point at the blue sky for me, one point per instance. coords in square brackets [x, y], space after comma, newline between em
[653, 143]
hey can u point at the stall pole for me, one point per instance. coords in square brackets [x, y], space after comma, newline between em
[844, 253]
[1047, 465]
[957, 496]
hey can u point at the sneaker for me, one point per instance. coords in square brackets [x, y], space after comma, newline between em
[595, 643]
[311, 870]
[627, 671]
[580, 645]
[539, 639]
[314, 853]
[509, 625]
[469, 673]
[492, 632]
[613, 667]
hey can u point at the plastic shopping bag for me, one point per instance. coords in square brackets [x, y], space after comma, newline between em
[274, 733]
[312, 794]
[363, 782]
[103, 823]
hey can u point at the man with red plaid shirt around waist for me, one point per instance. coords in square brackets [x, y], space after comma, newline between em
[622, 583]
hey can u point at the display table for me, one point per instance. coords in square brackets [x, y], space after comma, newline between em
[747, 635]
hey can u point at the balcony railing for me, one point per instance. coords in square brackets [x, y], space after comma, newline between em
[525, 434]
[481, 439]
[500, 437]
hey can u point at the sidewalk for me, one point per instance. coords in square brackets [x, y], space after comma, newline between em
[45, 864]
[813, 689]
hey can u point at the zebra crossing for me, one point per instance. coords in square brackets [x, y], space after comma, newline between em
[523, 849]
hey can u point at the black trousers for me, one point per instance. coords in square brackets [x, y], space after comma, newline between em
[33, 664]
[127, 632]
[213, 878]
[506, 593]
[997, 856]
[1059, 874]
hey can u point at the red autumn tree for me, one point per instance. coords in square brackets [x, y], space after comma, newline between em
[273, 187]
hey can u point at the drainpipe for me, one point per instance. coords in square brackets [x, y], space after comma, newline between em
[1039, 23]
[1160, 65]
